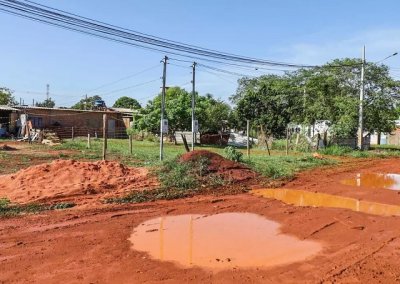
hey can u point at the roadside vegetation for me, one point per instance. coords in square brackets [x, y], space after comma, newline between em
[8, 209]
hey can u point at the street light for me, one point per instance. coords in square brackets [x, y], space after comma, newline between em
[387, 57]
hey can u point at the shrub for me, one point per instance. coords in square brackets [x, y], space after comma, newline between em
[336, 150]
[232, 154]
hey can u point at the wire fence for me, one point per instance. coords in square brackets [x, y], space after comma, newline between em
[78, 131]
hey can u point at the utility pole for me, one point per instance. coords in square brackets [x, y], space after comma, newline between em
[360, 110]
[193, 105]
[47, 91]
[163, 108]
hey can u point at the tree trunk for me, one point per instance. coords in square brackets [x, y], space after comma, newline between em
[266, 143]
[262, 136]
[185, 143]
[379, 138]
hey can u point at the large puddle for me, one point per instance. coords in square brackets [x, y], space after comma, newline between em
[221, 241]
[373, 180]
[306, 198]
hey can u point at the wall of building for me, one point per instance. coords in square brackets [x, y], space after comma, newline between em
[83, 122]
[394, 137]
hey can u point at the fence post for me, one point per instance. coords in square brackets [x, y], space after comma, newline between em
[72, 133]
[248, 138]
[130, 144]
[88, 141]
[104, 136]
[287, 140]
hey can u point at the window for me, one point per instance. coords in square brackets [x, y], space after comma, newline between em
[37, 122]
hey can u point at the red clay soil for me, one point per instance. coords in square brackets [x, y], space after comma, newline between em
[330, 180]
[91, 245]
[69, 178]
[229, 170]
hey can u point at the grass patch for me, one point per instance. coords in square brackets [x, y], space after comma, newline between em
[151, 195]
[336, 150]
[178, 180]
[285, 167]
[8, 209]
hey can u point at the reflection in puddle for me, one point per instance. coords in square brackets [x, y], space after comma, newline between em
[388, 181]
[307, 198]
[220, 241]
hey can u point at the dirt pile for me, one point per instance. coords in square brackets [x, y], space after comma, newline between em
[68, 178]
[229, 170]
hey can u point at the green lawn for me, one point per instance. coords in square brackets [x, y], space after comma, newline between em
[146, 153]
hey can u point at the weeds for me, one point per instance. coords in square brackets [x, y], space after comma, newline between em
[285, 167]
[336, 150]
[232, 154]
[151, 195]
[8, 209]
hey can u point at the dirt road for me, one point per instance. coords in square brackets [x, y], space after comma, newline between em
[91, 244]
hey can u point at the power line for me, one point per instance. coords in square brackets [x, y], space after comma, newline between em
[56, 17]
[130, 87]
[122, 79]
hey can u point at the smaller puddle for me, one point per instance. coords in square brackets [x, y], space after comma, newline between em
[307, 198]
[220, 241]
[373, 180]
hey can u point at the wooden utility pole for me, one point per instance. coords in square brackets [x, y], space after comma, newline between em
[72, 133]
[193, 105]
[248, 138]
[163, 108]
[104, 136]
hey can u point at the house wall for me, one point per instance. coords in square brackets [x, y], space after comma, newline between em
[84, 122]
[394, 137]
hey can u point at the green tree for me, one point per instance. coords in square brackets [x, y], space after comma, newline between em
[46, 103]
[329, 92]
[6, 97]
[269, 105]
[86, 103]
[212, 114]
[127, 102]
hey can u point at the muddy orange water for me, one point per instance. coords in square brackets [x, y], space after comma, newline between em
[374, 180]
[315, 199]
[220, 241]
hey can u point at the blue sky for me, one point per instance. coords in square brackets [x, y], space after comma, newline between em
[306, 32]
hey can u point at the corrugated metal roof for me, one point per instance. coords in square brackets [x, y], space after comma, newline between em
[4, 107]
[62, 109]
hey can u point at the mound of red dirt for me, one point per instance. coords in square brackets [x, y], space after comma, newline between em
[228, 169]
[67, 178]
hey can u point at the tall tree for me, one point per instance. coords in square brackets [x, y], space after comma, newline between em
[86, 103]
[6, 97]
[269, 105]
[127, 102]
[212, 114]
[46, 103]
[329, 92]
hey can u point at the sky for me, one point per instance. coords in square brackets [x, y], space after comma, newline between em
[297, 31]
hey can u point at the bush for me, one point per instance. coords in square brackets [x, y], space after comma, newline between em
[336, 150]
[232, 154]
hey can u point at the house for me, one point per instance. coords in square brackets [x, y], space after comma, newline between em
[64, 121]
